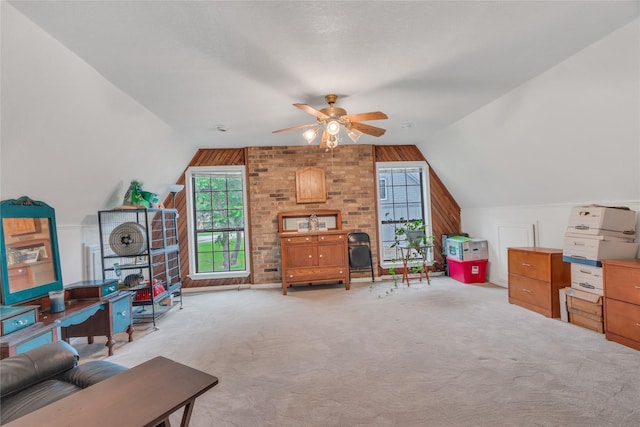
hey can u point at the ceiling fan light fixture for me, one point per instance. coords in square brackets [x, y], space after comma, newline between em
[310, 135]
[354, 134]
[333, 127]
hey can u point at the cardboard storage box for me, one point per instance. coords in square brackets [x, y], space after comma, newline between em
[466, 249]
[585, 249]
[604, 221]
[473, 271]
[585, 309]
[587, 278]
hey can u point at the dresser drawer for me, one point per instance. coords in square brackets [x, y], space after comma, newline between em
[623, 319]
[530, 264]
[622, 283]
[331, 238]
[296, 240]
[319, 274]
[531, 291]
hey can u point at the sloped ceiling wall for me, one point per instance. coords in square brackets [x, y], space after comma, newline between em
[570, 135]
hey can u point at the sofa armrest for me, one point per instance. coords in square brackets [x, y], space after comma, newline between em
[23, 370]
[91, 373]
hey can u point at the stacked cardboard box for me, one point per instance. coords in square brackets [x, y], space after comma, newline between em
[595, 233]
[467, 259]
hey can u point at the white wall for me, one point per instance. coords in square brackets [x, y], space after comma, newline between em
[568, 137]
[72, 139]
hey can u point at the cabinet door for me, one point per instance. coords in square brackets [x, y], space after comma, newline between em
[331, 255]
[301, 256]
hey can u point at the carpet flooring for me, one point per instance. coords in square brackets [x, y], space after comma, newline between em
[448, 354]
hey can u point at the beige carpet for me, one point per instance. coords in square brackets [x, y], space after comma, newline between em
[445, 355]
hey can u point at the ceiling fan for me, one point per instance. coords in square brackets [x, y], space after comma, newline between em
[330, 118]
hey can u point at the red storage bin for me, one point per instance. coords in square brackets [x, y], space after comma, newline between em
[473, 271]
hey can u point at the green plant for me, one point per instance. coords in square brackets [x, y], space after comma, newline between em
[412, 237]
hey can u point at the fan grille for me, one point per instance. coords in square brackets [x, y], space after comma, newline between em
[127, 239]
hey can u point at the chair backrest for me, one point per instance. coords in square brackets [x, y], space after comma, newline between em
[359, 238]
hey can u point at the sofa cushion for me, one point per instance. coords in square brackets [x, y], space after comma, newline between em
[35, 397]
[91, 373]
[26, 369]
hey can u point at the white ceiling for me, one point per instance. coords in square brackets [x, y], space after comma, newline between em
[200, 64]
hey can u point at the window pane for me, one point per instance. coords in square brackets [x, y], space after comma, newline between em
[403, 200]
[218, 216]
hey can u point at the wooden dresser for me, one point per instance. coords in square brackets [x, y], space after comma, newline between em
[536, 276]
[313, 256]
[622, 301]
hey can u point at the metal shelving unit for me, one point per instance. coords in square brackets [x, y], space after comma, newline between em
[139, 247]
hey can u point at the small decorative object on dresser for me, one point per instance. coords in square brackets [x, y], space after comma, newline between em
[536, 276]
[622, 301]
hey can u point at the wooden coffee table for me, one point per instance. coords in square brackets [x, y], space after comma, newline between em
[145, 395]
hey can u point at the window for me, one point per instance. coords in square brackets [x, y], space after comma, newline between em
[403, 195]
[217, 222]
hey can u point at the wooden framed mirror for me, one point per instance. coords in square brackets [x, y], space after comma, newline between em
[28, 250]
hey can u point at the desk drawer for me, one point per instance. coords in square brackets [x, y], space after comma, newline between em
[331, 238]
[18, 322]
[320, 274]
[301, 239]
[121, 314]
[45, 338]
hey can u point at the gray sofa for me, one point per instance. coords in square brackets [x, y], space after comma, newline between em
[36, 378]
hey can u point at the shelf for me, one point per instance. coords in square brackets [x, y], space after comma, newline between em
[155, 239]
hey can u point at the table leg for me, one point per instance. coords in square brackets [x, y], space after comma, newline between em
[186, 415]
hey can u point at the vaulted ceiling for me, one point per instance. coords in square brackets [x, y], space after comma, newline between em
[201, 65]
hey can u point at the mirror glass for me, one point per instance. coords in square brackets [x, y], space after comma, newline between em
[28, 246]
[29, 249]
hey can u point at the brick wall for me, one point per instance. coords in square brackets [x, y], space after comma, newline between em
[350, 183]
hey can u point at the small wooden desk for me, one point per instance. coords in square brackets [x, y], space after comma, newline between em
[145, 395]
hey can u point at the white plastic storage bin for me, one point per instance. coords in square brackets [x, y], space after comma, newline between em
[467, 249]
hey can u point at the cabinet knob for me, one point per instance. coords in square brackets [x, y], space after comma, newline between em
[322, 238]
[122, 313]
[291, 276]
[309, 256]
[307, 239]
[288, 240]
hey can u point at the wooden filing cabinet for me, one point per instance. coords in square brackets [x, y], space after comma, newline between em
[622, 301]
[536, 276]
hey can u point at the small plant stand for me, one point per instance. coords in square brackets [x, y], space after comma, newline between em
[406, 250]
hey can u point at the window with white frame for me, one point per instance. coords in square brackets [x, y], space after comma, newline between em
[217, 221]
[405, 197]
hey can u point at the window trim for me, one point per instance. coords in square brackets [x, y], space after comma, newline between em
[188, 179]
[426, 197]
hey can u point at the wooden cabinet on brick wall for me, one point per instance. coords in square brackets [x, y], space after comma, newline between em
[622, 301]
[536, 276]
[313, 256]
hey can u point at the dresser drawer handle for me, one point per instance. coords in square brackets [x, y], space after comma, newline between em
[527, 291]
[20, 322]
[638, 325]
[637, 286]
[122, 313]
[526, 265]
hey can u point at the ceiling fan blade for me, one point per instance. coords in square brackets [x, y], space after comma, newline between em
[295, 127]
[368, 129]
[363, 117]
[323, 141]
[308, 109]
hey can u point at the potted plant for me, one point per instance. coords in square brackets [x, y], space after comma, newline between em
[412, 236]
